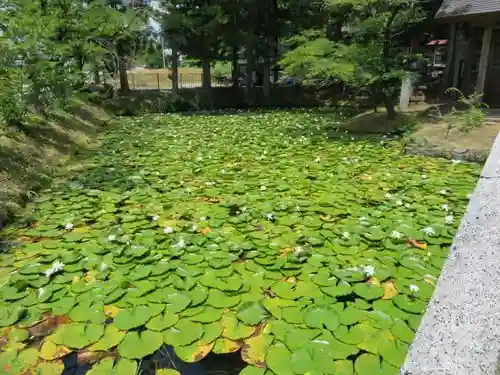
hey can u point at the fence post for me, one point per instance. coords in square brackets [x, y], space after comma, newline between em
[180, 80]
[158, 80]
[133, 82]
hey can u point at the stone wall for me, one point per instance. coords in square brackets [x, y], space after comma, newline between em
[460, 332]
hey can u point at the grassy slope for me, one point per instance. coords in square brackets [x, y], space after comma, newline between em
[31, 152]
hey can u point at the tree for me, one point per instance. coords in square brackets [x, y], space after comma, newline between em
[370, 54]
[193, 26]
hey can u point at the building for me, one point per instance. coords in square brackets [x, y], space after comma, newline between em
[473, 54]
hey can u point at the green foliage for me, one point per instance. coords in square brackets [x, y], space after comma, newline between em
[471, 112]
[222, 72]
[367, 51]
[257, 247]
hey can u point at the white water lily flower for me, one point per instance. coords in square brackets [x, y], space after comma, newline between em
[168, 230]
[154, 218]
[194, 227]
[346, 235]
[449, 219]
[407, 205]
[317, 160]
[399, 203]
[445, 207]
[111, 237]
[455, 161]
[297, 208]
[424, 176]
[69, 226]
[414, 288]
[222, 171]
[243, 209]
[298, 250]
[443, 192]
[203, 218]
[56, 267]
[396, 235]
[270, 217]
[363, 218]
[210, 183]
[388, 195]
[103, 267]
[429, 231]
[180, 244]
[263, 188]
[369, 270]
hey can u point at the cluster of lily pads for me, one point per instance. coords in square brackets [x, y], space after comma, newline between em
[252, 233]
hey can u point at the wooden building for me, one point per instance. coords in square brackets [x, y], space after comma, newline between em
[473, 56]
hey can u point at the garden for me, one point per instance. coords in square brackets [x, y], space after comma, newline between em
[253, 235]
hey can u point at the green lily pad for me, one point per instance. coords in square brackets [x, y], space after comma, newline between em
[137, 345]
[133, 317]
[183, 333]
[252, 314]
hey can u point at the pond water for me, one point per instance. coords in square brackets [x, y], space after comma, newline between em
[225, 244]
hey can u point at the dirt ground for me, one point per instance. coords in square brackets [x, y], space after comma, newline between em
[31, 151]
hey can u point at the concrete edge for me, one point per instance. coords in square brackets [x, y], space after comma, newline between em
[460, 331]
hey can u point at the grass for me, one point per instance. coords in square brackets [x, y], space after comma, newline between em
[154, 78]
[251, 234]
[32, 151]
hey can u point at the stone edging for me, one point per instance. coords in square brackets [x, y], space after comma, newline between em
[460, 331]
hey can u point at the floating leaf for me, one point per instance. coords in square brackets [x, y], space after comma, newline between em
[112, 337]
[208, 315]
[167, 371]
[389, 290]
[278, 359]
[162, 322]
[77, 335]
[255, 348]
[225, 346]
[133, 317]
[50, 351]
[368, 291]
[50, 368]
[252, 314]
[193, 353]
[297, 337]
[137, 345]
[183, 333]
[252, 370]
[234, 330]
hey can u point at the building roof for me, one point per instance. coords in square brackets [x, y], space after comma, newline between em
[460, 8]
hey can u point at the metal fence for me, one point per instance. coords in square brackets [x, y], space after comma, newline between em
[144, 80]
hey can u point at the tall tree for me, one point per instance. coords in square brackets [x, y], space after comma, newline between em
[370, 54]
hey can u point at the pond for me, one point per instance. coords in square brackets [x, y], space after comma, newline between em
[217, 243]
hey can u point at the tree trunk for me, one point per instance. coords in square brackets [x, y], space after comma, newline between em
[175, 68]
[206, 79]
[249, 73]
[97, 76]
[267, 78]
[122, 68]
[234, 66]
[390, 107]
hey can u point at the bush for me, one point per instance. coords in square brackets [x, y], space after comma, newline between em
[469, 110]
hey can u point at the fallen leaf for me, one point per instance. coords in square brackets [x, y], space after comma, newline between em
[48, 326]
[389, 290]
[416, 244]
[111, 311]
[50, 351]
[373, 281]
